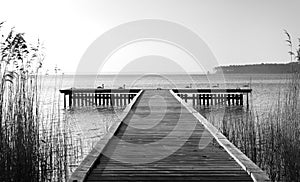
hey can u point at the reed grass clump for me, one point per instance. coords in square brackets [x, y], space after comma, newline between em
[280, 134]
[19, 135]
[34, 145]
[271, 141]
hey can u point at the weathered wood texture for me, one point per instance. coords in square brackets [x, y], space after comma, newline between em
[158, 125]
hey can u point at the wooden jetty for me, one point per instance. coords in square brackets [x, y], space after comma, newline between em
[199, 151]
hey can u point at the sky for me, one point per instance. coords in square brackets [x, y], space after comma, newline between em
[235, 31]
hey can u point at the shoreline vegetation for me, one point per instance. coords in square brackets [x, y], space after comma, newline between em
[35, 144]
[268, 68]
[263, 68]
[271, 141]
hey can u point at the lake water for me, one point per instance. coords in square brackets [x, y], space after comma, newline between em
[87, 125]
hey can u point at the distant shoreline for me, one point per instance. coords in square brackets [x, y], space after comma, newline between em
[260, 68]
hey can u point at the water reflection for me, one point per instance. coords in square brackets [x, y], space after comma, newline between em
[87, 126]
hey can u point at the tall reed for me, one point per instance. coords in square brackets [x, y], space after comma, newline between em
[282, 135]
[35, 144]
[272, 141]
[19, 118]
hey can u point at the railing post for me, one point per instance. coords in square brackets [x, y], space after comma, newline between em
[65, 104]
[242, 98]
[193, 97]
[247, 101]
[70, 99]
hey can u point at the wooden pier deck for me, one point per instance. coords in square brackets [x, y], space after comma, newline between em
[158, 126]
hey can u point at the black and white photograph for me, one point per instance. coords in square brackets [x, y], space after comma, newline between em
[149, 90]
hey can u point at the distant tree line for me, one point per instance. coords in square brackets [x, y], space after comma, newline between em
[260, 68]
[292, 67]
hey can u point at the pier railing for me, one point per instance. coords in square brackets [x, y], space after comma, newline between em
[216, 96]
[74, 97]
